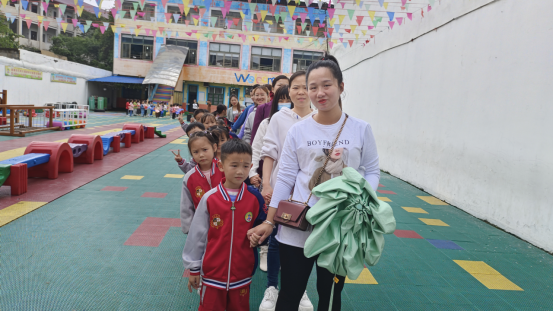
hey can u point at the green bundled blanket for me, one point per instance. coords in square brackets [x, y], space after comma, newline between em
[349, 225]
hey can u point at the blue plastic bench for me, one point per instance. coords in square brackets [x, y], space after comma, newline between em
[32, 159]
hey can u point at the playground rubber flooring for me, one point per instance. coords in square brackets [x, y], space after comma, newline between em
[115, 244]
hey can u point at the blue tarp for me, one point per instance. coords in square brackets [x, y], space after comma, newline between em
[119, 79]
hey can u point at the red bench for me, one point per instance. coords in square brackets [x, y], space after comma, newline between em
[17, 179]
[94, 151]
[61, 159]
[138, 134]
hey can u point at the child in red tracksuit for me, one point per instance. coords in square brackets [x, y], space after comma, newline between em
[205, 176]
[217, 249]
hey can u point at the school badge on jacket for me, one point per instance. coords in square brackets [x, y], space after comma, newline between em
[199, 192]
[217, 222]
[248, 217]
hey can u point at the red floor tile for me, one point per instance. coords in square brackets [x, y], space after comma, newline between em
[386, 192]
[407, 234]
[144, 240]
[380, 185]
[114, 188]
[154, 195]
[161, 221]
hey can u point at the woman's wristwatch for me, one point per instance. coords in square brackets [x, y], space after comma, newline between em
[270, 223]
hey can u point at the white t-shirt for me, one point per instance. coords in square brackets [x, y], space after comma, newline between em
[303, 156]
[195, 106]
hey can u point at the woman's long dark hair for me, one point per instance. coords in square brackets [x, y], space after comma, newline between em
[330, 62]
[282, 93]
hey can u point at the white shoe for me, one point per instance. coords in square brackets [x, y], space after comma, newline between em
[305, 303]
[269, 299]
[200, 288]
[263, 250]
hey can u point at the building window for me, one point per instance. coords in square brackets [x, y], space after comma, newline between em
[266, 59]
[224, 55]
[216, 95]
[302, 59]
[274, 27]
[222, 22]
[69, 18]
[192, 48]
[175, 10]
[309, 28]
[34, 8]
[149, 10]
[137, 47]
[34, 35]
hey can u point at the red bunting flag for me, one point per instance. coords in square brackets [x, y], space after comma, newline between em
[359, 20]
[410, 16]
[350, 42]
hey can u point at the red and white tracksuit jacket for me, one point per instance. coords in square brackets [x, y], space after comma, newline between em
[194, 186]
[217, 246]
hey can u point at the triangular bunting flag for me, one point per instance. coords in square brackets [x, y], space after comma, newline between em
[359, 20]
[399, 20]
[391, 15]
[350, 14]
[391, 24]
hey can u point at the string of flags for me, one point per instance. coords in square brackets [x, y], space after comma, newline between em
[346, 22]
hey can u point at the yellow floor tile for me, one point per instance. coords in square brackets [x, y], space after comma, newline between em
[494, 281]
[15, 211]
[179, 141]
[487, 275]
[432, 200]
[177, 176]
[414, 210]
[436, 222]
[106, 132]
[365, 278]
[12, 153]
[385, 199]
[132, 177]
[62, 140]
[478, 267]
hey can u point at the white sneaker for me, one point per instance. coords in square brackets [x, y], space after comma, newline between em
[263, 250]
[269, 299]
[305, 303]
[199, 289]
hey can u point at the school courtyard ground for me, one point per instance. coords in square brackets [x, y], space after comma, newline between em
[107, 237]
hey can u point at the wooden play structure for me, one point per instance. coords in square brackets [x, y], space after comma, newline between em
[13, 124]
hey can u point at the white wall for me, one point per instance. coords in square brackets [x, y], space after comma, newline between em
[39, 92]
[465, 112]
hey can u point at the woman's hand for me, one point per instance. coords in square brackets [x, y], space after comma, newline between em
[255, 181]
[258, 234]
[267, 193]
[193, 282]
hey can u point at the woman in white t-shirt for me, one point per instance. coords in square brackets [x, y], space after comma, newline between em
[305, 148]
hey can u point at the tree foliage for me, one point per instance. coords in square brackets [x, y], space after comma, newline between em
[92, 48]
[8, 39]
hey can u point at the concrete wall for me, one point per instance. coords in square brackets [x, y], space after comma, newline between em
[39, 92]
[464, 111]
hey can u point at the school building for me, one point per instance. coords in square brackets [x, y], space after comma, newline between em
[231, 47]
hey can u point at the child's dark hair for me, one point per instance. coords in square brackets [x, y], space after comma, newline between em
[219, 132]
[207, 117]
[269, 87]
[221, 123]
[221, 108]
[234, 146]
[330, 62]
[277, 78]
[193, 125]
[282, 93]
[199, 111]
[201, 134]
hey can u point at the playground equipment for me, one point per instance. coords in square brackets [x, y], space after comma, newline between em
[72, 116]
[19, 123]
[94, 149]
[48, 159]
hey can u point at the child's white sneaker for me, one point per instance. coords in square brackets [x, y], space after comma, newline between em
[269, 299]
[305, 303]
[263, 250]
